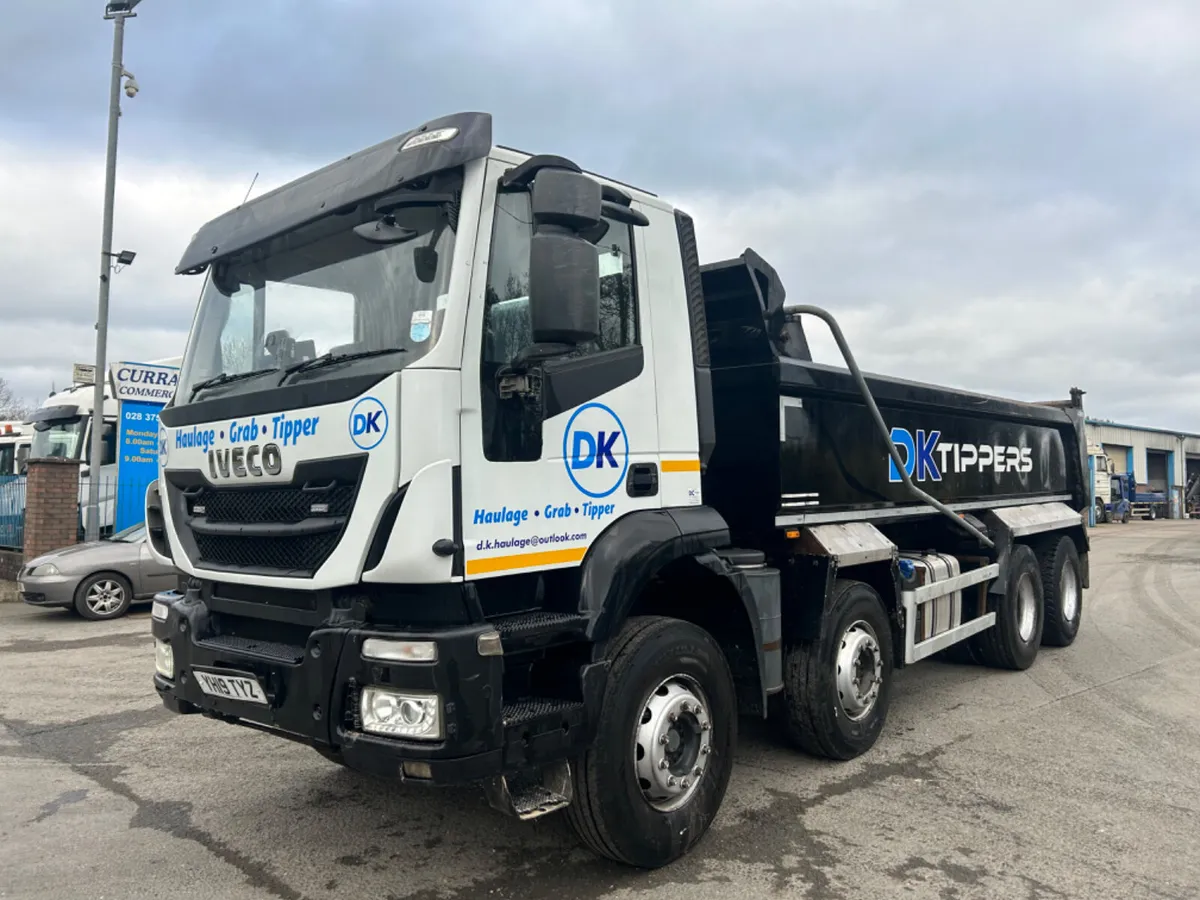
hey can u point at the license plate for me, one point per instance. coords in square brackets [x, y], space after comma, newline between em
[231, 687]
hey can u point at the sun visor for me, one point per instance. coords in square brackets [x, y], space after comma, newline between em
[441, 144]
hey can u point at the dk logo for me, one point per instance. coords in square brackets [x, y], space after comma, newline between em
[595, 450]
[368, 423]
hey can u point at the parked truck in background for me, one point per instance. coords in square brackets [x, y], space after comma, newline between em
[1128, 498]
[1117, 496]
[14, 451]
[15, 439]
[62, 426]
[478, 475]
[1101, 472]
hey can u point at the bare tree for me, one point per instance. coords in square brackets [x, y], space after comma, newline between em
[12, 406]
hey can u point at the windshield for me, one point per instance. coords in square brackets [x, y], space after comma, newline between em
[324, 289]
[61, 438]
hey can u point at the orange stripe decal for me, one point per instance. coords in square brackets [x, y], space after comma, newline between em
[524, 560]
[681, 465]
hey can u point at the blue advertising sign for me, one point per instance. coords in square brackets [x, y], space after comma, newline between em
[137, 460]
[142, 390]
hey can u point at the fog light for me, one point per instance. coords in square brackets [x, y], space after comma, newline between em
[159, 611]
[396, 714]
[399, 651]
[416, 769]
[164, 660]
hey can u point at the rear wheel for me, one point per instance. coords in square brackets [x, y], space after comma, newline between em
[103, 596]
[1062, 587]
[836, 690]
[650, 785]
[1012, 643]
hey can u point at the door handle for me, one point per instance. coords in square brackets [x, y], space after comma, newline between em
[642, 480]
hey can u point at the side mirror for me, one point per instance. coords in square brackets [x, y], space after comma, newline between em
[564, 270]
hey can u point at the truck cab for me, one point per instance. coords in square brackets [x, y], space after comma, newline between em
[476, 474]
[15, 439]
[1101, 473]
[61, 428]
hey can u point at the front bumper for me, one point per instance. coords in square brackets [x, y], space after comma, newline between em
[48, 590]
[313, 695]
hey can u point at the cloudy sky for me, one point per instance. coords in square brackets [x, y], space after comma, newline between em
[1002, 195]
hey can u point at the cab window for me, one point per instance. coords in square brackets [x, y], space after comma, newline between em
[512, 425]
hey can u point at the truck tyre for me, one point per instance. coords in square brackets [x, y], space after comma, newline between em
[1062, 588]
[1012, 643]
[836, 689]
[1101, 512]
[650, 785]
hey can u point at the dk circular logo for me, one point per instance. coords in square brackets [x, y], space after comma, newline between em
[595, 450]
[368, 423]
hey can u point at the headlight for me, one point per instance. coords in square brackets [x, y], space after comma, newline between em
[45, 569]
[396, 714]
[159, 610]
[164, 660]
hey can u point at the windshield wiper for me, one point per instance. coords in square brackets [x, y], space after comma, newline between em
[225, 378]
[330, 359]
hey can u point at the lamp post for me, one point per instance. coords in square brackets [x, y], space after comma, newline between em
[118, 11]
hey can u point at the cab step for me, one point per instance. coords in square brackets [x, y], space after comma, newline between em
[530, 795]
[545, 710]
[540, 728]
[534, 630]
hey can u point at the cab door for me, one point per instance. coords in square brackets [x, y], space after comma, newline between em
[554, 455]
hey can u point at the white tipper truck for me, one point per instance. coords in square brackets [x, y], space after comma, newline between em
[477, 475]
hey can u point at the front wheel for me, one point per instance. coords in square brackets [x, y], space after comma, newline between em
[650, 785]
[103, 596]
[836, 690]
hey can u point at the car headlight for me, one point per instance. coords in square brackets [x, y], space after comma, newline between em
[164, 660]
[401, 714]
[159, 610]
[45, 569]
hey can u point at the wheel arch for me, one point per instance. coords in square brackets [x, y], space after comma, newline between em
[623, 560]
[661, 562]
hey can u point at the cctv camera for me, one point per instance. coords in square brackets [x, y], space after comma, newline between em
[131, 87]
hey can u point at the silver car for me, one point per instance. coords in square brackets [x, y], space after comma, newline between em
[100, 579]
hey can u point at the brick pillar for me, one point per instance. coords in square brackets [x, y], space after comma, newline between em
[51, 505]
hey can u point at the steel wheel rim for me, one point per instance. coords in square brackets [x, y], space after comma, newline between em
[1026, 608]
[672, 742]
[1068, 591]
[104, 597]
[859, 671]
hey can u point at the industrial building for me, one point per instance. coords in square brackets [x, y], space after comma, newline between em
[1163, 460]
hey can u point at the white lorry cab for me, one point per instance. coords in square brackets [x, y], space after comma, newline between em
[61, 427]
[15, 438]
[1102, 471]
